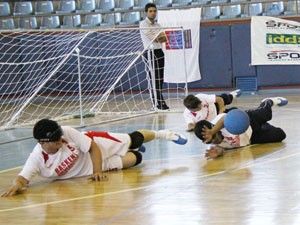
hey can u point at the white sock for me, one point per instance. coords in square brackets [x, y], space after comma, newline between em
[161, 134]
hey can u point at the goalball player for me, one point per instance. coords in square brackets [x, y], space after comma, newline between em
[206, 107]
[259, 131]
[63, 152]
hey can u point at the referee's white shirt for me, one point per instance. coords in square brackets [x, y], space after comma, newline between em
[148, 34]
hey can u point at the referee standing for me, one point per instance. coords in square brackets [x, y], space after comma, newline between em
[153, 32]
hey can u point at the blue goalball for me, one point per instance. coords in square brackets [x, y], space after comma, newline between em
[236, 121]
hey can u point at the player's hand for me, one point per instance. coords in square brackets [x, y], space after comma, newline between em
[207, 134]
[99, 176]
[190, 127]
[214, 152]
[13, 190]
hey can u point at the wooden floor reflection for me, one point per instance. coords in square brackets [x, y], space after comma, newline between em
[176, 185]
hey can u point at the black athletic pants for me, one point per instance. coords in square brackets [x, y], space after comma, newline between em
[263, 132]
[159, 64]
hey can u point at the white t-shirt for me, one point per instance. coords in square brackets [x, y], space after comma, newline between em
[149, 33]
[230, 140]
[71, 160]
[208, 110]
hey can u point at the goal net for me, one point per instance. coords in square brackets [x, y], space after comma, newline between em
[77, 74]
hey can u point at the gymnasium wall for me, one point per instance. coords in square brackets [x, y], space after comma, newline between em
[225, 53]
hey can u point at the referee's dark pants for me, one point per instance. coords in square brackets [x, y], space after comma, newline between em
[262, 131]
[159, 64]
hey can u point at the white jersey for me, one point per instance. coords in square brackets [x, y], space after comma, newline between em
[149, 31]
[73, 158]
[208, 110]
[233, 141]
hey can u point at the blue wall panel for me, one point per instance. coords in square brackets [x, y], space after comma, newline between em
[278, 75]
[241, 51]
[215, 58]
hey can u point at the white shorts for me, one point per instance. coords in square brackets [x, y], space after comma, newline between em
[112, 146]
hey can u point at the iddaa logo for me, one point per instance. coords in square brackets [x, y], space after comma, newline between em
[291, 39]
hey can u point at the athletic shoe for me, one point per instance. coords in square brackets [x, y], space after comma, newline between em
[237, 93]
[176, 137]
[142, 148]
[279, 101]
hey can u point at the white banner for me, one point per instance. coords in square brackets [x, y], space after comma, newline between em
[274, 41]
[182, 45]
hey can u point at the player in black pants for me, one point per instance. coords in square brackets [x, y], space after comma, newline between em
[259, 132]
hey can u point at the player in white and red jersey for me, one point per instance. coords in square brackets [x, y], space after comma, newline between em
[63, 152]
[260, 131]
[206, 107]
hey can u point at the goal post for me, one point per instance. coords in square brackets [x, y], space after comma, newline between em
[65, 74]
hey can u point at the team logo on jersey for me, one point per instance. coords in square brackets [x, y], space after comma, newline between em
[69, 162]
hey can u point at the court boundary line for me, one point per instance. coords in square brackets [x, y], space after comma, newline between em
[144, 187]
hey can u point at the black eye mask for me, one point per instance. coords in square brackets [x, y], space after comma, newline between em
[52, 136]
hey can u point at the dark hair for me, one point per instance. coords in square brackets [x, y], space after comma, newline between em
[47, 130]
[199, 127]
[149, 5]
[191, 102]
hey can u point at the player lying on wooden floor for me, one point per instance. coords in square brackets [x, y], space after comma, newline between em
[63, 152]
[219, 139]
[206, 107]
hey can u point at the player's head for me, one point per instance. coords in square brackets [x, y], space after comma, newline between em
[192, 103]
[216, 139]
[151, 10]
[49, 134]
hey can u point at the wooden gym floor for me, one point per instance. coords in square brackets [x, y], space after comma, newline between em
[174, 185]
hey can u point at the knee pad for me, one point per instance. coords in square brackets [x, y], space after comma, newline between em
[139, 157]
[137, 139]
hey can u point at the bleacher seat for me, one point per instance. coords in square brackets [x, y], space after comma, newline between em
[43, 7]
[274, 9]
[163, 3]
[28, 23]
[124, 4]
[92, 21]
[140, 4]
[200, 2]
[67, 6]
[105, 5]
[181, 2]
[130, 18]
[7, 24]
[231, 11]
[86, 6]
[212, 12]
[5, 9]
[254, 9]
[291, 7]
[111, 19]
[50, 22]
[71, 21]
[219, 1]
[23, 8]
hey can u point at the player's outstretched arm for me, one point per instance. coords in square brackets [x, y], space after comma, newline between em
[19, 185]
[96, 157]
[221, 104]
